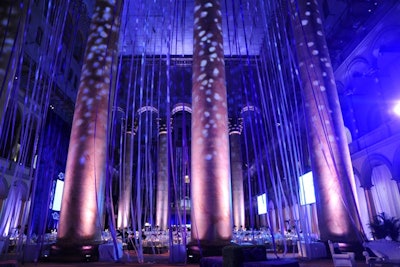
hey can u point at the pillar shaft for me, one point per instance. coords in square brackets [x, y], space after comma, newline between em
[125, 194]
[370, 204]
[162, 198]
[330, 158]
[83, 197]
[210, 184]
[237, 175]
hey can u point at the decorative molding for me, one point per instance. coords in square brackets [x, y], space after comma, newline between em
[235, 125]
[147, 108]
[181, 107]
[250, 108]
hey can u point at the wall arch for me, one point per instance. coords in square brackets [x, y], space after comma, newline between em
[387, 38]
[368, 165]
[357, 67]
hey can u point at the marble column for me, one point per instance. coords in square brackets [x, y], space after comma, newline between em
[235, 130]
[210, 165]
[83, 196]
[125, 194]
[370, 203]
[162, 198]
[330, 158]
[12, 27]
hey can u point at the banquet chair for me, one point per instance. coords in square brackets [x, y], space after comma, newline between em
[341, 259]
[371, 258]
[382, 252]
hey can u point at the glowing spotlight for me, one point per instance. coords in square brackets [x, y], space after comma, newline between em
[396, 109]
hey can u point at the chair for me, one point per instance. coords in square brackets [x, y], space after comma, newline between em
[342, 259]
[382, 253]
[386, 250]
[370, 258]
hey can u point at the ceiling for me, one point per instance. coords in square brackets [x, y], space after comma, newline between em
[155, 27]
[159, 27]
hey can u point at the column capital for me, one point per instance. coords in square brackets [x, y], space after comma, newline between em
[235, 125]
[131, 127]
[367, 186]
[162, 125]
[396, 178]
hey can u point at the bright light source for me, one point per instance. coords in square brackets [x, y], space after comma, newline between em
[262, 204]
[396, 109]
[58, 195]
[306, 188]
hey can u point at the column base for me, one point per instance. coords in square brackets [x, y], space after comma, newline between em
[198, 249]
[355, 247]
[77, 253]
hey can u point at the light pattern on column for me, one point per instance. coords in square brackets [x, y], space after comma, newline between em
[210, 185]
[330, 157]
[83, 197]
[162, 198]
[235, 130]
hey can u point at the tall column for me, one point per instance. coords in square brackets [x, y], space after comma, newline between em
[370, 203]
[330, 158]
[83, 197]
[210, 185]
[235, 130]
[12, 27]
[125, 194]
[162, 198]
